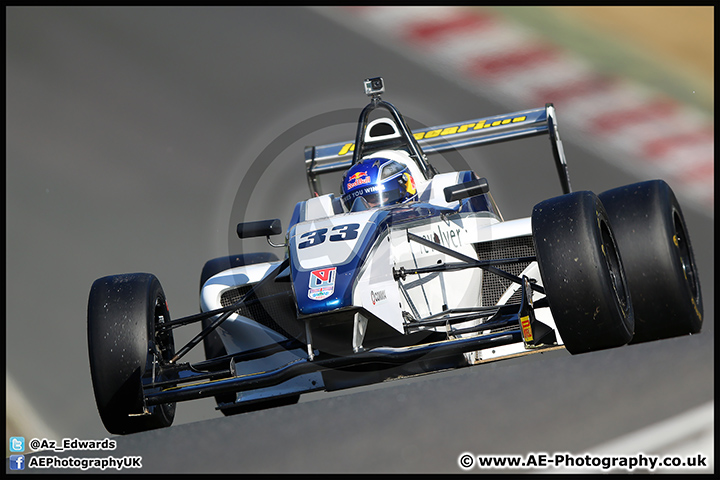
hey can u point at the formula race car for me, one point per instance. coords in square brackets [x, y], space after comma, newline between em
[406, 271]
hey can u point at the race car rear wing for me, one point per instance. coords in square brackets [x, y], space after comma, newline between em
[338, 157]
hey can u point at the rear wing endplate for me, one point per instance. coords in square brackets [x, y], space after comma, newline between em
[338, 157]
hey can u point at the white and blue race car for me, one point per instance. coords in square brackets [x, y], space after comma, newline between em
[408, 271]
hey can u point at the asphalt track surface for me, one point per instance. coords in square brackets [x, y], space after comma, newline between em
[128, 133]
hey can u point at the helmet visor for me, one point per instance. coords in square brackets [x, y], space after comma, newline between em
[387, 197]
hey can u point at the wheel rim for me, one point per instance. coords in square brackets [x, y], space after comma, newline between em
[680, 240]
[614, 265]
[163, 338]
[162, 346]
[163, 343]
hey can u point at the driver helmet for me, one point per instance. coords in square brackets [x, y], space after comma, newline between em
[380, 181]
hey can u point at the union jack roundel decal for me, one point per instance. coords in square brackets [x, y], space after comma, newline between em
[322, 283]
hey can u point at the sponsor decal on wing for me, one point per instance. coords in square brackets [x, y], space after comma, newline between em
[450, 130]
[526, 329]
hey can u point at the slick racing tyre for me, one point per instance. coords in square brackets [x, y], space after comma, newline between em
[582, 273]
[659, 263]
[123, 313]
[213, 345]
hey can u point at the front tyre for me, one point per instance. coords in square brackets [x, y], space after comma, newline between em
[658, 257]
[582, 273]
[123, 313]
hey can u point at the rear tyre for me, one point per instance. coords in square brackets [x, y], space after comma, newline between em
[659, 263]
[582, 273]
[123, 312]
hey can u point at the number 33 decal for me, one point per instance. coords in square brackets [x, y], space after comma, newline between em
[340, 233]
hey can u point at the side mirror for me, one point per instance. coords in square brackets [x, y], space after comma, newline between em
[263, 228]
[474, 187]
